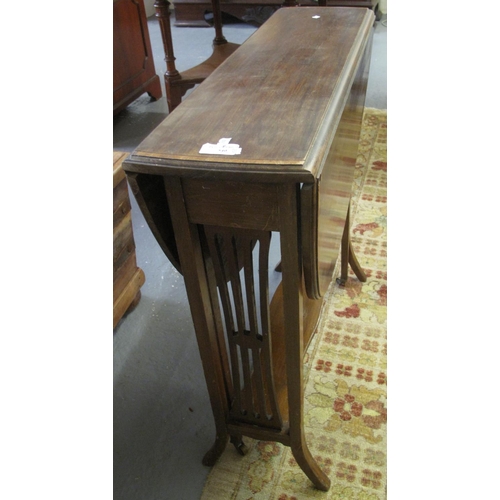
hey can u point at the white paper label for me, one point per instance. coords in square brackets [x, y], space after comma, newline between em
[221, 148]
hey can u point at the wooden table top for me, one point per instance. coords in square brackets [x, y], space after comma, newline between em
[279, 96]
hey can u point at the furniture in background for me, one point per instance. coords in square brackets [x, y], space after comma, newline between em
[127, 277]
[295, 110]
[133, 65]
[178, 83]
[194, 12]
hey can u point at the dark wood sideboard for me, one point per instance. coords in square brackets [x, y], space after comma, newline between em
[193, 12]
[133, 65]
[295, 110]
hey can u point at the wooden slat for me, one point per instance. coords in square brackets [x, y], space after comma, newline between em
[217, 260]
[249, 350]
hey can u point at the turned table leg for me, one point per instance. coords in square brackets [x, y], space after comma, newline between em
[174, 94]
[175, 85]
[219, 37]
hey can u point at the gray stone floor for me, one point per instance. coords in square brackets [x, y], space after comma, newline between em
[162, 419]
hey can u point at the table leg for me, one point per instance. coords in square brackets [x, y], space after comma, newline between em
[219, 37]
[294, 342]
[199, 295]
[174, 94]
[348, 257]
[177, 84]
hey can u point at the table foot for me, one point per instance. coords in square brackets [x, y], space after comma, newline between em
[310, 468]
[348, 257]
[176, 89]
[214, 453]
[240, 446]
[341, 281]
[353, 262]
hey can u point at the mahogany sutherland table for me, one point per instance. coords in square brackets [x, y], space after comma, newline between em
[292, 98]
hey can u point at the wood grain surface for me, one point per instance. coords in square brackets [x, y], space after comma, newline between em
[274, 99]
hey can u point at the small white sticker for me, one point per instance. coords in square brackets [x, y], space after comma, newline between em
[316, 17]
[221, 148]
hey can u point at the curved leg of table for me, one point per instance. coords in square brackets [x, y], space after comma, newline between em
[214, 453]
[353, 262]
[294, 341]
[348, 257]
[311, 469]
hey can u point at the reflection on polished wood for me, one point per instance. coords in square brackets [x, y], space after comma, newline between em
[296, 112]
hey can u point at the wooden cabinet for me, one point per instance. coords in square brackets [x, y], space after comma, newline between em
[133, 65]
[127, 277]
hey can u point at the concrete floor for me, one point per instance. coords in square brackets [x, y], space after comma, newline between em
[163, 424]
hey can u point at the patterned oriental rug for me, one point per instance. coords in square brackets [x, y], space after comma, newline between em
[345, 413]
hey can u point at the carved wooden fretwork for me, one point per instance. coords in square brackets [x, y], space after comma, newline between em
[244, 297]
